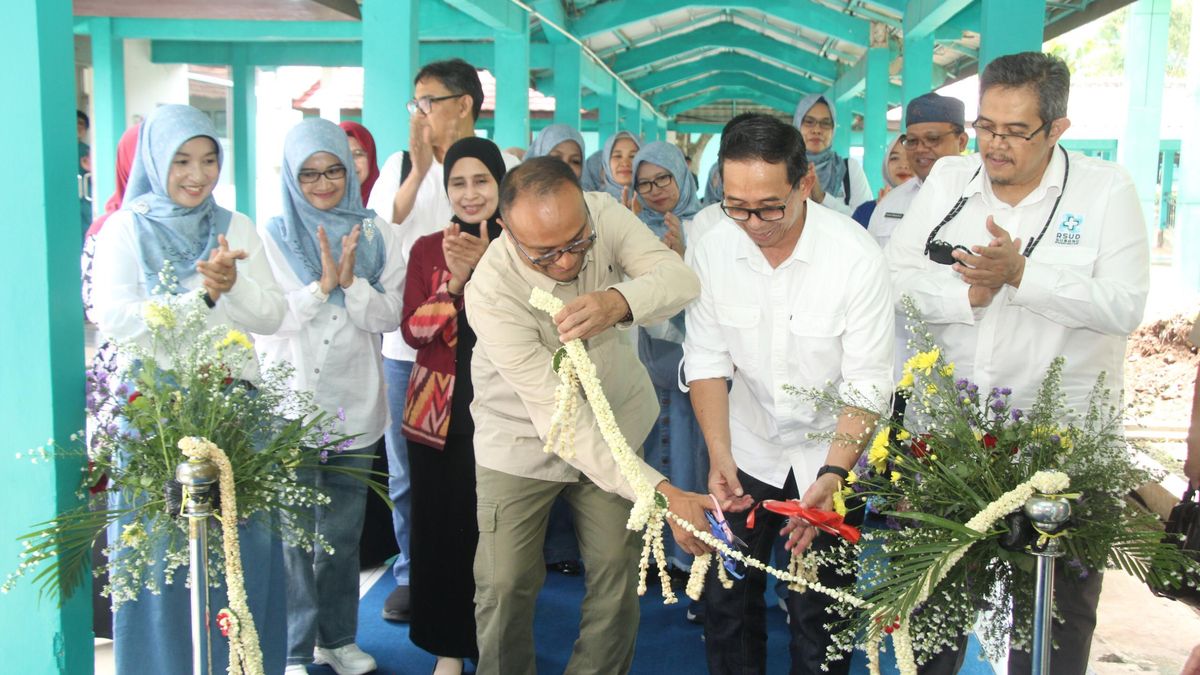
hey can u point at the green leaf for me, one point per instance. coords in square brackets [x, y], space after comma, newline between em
[558, 357]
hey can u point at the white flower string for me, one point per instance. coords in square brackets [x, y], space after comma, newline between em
[245, 653]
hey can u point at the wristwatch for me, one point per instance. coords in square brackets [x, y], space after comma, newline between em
[835, 470]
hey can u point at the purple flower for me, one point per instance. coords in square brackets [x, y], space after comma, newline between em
[997, 405]
[325, 438]
[123, 390]
[972, 389]
[324, 456]
[341, 414]
[961, 384]
[345, 445]
[1005, 391]
[1055, 439]
[1017, 414]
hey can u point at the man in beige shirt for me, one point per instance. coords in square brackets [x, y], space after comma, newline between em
[610, 271]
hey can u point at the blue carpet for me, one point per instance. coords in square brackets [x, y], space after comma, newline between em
[667, 642]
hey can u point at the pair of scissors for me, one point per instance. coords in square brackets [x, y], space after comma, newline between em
[720, 529]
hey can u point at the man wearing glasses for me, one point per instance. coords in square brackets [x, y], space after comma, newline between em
[409, 192]
[934, 129]
[1022, 253]
[612, 273]
[792, 293]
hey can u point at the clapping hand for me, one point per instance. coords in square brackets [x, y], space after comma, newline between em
[220, 270]
[674, 236]
[994, 265]
[340, 272]
[463, 252]
[631, 201]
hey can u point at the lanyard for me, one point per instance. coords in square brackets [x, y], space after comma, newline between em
[962, 201]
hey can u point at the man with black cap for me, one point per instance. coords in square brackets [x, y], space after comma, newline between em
[935, 129]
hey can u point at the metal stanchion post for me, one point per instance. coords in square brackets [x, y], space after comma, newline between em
[1049, 515]
[197, 479]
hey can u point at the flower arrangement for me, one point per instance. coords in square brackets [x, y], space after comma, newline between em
[952, 481]
[182, 380]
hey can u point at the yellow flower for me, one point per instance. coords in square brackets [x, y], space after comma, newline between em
[930, 389]
[235, 337]
[948, 370]
[157, 315]
[903, 435]
[895, 476]
[839, 503]
[133, 534]
[923, 361]
[906, 380]
[1064, 439]
[851, 478]
[877, 455]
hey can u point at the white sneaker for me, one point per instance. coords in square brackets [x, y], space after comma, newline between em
[296, 670]
[347, 660]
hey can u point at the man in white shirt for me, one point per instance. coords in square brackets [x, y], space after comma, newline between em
[446, 102]
[794, 294]
[935, 128]
[1023, 253]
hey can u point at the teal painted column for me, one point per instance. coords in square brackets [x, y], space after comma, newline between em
[567, 87]
[875, 115]
[42, 379]
[244, 132]
[1145, 70]
[841, 132]
[609, 113]
[512, 88]
[108, 106]
[390, 61]
[1168, 179]
[1009, 27]
[917, 71]
[1187, 212]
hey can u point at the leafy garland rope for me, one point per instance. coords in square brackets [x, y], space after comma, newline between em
[650, 508]
[245, 653]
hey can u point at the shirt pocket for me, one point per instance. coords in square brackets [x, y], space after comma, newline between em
[816, 350]
[1081, 259]
[740, 325]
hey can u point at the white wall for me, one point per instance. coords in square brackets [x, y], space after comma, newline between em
[149, 85]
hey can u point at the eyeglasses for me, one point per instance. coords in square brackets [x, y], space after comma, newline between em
[929, 140]
[334, 173]
[578, 246]
[991, 134]
[824, 123]
[644, 187]
[766, 214]
[425, 103]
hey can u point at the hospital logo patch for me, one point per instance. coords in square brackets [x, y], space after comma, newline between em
[1069, 230]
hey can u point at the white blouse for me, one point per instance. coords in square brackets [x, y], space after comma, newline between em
[335, 350]
[255, 304]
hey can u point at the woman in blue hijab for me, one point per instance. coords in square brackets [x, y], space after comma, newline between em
[619, 151]
[675, 446]
[340, 268]
[171, 237]
[592, 179]
[841, 183]
[561, 141]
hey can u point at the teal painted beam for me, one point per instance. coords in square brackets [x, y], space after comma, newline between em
[729, 36]
[917, 71]
[841, 132]
[728, 61]
[923, 17]
[875, 118]
[499, 15]
[610, 114]
[567, 87]
[41, 379]
[722, 79]
[610, 16]
[750, 92]
[553, 11]
[1145, 69]
[244, 127]
[1009, 27]
[512, 88]
[329, 54]
[696, 127]
[390, 58]
[108, 107]
[226, 30]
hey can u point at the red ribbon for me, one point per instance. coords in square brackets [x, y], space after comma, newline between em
[827, 521]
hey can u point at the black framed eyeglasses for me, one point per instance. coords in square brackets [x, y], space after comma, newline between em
[985, 132]
[930, 140]
[578, 246]
[334, 173]
[767, 214]
[425, 103]
[823, 123]
[644, 187]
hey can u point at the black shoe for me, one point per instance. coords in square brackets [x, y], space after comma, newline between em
[571, 568]
[398, 606]
[695, 611]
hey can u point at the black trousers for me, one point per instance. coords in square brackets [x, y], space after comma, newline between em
[735, 622]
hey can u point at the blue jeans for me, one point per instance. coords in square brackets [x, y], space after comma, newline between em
[676, 448]
[323, 586]
[396, 374]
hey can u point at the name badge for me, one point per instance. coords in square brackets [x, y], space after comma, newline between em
[893, 214]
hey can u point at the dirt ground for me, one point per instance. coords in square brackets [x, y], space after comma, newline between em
[1160, 371]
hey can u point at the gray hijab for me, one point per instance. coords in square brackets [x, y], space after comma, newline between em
[610, 185]
[549, 138]
[168, 233]
[830, 166]
[670, 158]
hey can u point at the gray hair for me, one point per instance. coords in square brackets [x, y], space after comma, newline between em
[1047, 75]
